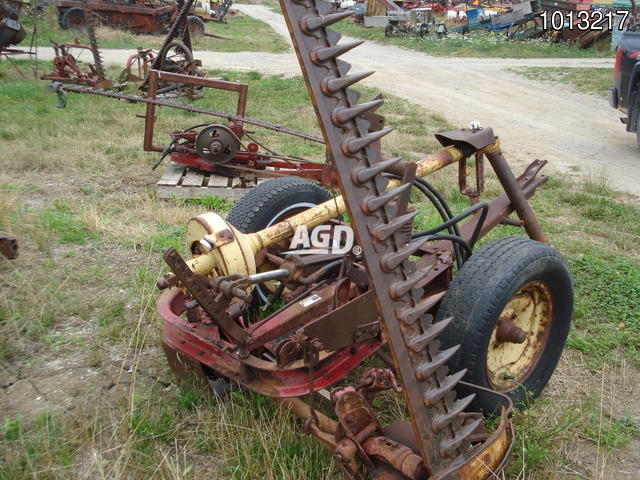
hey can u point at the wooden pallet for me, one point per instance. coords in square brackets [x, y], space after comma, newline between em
[180, 181]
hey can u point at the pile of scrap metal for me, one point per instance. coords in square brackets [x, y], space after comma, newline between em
[578, 22]
[213, 10]
[11, 30]
[520, 20]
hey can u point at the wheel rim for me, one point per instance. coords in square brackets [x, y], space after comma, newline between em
[520, 337]
[76, 21]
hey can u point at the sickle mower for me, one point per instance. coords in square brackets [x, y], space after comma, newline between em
[468, 333]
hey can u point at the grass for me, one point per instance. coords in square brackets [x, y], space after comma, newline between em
[240, 33]
[477, 44]
[584, 80]
[86, 390]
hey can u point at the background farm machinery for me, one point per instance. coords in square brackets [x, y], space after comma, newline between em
[11, 30]
[175, 55]
[138, 16]
[286, 298]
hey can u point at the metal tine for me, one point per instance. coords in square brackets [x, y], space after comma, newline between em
[410, 315]
[344, 114]
[343, 67]
[392, 260]
[418, 342]
[381, 183]
[327, 53]
[399, 288]
[333, 37]
[426, 368]
[382, 232]
[364, 174]
[352, 97]
[452, 445]
[310, 24]
[363, 125]
[434, 395]
[332, 85]
[356, 144]
[441, 421]
[374, 202]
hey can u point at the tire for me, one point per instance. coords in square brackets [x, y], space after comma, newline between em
[195, 25]
[60, 15]
[271, 202]
[424, 30]
[274, 200]
[74, 20]
[509, 279]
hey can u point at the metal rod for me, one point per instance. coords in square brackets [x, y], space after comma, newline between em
[514, 192]
[332, 208]
[267, 276]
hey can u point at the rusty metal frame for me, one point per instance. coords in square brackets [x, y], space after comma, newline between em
[156, 76]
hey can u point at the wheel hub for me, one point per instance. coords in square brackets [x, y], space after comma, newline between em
[519, 337]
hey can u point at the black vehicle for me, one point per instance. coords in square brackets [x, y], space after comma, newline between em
[625, 94]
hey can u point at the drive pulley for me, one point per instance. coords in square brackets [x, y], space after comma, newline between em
[217, 144]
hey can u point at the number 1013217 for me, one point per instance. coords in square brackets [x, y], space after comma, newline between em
[583, 20]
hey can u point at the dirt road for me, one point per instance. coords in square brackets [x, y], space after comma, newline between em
[574, 132]
[534, 120]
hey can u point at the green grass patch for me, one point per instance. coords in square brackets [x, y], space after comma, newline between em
[39, 446]
[61, 220]
[584, 80]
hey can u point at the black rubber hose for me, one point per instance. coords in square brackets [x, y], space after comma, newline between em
[440, 205]
[452, 238]
[461, 216]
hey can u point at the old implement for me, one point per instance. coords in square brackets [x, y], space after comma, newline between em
[8, 247]
[458, 344]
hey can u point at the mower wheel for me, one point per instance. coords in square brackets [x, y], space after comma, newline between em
[273, 201]
[511, 304]
[270, 202]
[74, 20]
[195, 25]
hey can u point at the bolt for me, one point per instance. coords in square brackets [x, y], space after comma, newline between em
[206, 246]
